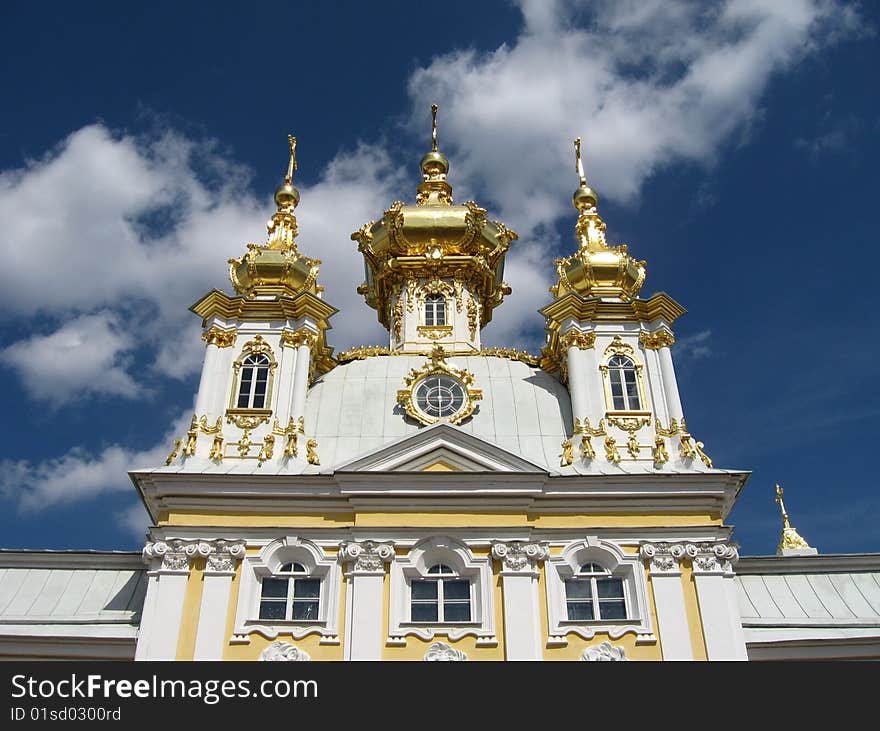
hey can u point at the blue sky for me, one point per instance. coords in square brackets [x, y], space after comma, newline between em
[734, 146]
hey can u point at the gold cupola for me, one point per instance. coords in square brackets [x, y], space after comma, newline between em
[596, 269]
[434, 241]
[277, 267]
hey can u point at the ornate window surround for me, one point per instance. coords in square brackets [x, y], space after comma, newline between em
[620, 565]
[256, 346]
[289, 549]
[415, 565]
[618, 347]
[445, 290]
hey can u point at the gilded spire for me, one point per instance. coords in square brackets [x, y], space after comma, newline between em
[790, 540]
[434, 189]
[282, 227]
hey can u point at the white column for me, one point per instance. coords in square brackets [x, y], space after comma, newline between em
[160, 622]
[519, 585]
[576, 386]
[301, 377]
[670, 386]
[719, 613]
[216, 587]
[655, 384]
[284, 381]
[672, 620]
[365, 598]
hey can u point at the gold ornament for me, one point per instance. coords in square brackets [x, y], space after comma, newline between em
[171, 457]
[791, 539]
[267, 450]
[656, 340]
[311, 452]
[611, 450]
[566, 458]
[587, 451]
[661, 456]
[190, 448]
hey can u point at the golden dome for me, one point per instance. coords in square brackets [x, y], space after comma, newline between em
[434, 239]
[596, 269]
[277, 267]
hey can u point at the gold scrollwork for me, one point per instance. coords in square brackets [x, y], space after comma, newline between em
[189, 448]
[203, 425]
[362, 352]
[566, 458]
[472, 316]
[630, 424]
[397, 316]
[291, 432]
[587, 451]
[632, 446]
[661, 456]
[267, 450]
[611, 450]
[439, 366]
[656, 340]
[220, 338]
[672, 431]
[703, 456]
[618, 347]
[257, 345]
[174, 452]
[435, 332]
[577, 339]
[217, 448]
[513, 354]
[297, 338]
[312, 452]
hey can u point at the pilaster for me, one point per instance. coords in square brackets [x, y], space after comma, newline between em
[220, 568]
[365, 597]
[519, 579]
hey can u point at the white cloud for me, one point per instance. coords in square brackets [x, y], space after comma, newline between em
[134, 519]
[694, 347]
[84, 356]
[79, 475]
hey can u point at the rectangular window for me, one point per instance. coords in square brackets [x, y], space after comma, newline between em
[579, 599]
[457, 601]
[273, 604]
[617, 390]
[424, 601]
[612, 604]
[305, 598]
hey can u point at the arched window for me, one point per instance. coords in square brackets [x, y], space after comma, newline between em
[254, 382]
[624, 384]
[290, 594]
[435, 310]
[442, 596]
[593, 594]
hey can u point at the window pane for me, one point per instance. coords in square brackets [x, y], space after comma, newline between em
[580, 610]
[616, 390]
[576, 589]
[244, 392]
[612, 609]
[440, 568]
[275, 588]
[306, 588]
[457, 590]
[272, 609]
[457, 612]
[305, 610]
[285, 567]
[424, 590]
[610, 588]
[424, 612]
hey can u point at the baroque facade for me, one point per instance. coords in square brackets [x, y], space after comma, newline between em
[431, 498]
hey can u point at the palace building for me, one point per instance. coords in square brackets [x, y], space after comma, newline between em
[430, 498]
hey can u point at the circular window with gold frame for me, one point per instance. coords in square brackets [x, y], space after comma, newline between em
[439, 392]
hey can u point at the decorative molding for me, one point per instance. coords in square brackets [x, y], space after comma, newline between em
[368, 556]
[438, 366]
[442, 652]
[566, 458]
[629, 568]
[618, 347]
[362, 352]
[298, 338]
[656, 340]
[577, 339]
[518, 556]
[284, 652]
[220, 338]
[257, 345]
[604, 652]
[177, 554]
[706, 557]
[513, 354]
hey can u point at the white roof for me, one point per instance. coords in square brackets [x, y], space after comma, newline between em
[352, 411]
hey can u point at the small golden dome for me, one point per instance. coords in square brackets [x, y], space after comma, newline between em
[585, 197]
[434, 163]
[287, 195]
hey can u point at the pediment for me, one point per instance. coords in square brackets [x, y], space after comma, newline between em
[441, 448]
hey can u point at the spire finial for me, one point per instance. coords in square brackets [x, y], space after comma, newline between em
[791, 542]
[291, 166]
[579, 165]
[433, 128]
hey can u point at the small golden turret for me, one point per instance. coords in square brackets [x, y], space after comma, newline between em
[790, 541]
[277, 268]
[596, 269]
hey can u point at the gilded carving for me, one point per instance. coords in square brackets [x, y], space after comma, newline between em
[295, 339]
[791, 540]
[174, 452]
[656, 340]
[513, 354]
[577, 339]
[257, 345]
[362, 352]
[438, 365]
[672, 431]
[217, 448]
[566, 458]
[312, 452]
[632, 446]
[267, 450]
[472, 316]
[189, 448]
[618, 347]
[611, 450]
[397, 317]
[203, 425]
[291, 432]
[587, 451]
[661, 456]
[703, 456]
[220, 338]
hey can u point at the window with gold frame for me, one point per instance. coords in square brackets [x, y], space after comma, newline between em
[253, 377]
[623, 379]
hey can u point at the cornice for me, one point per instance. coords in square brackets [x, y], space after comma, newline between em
[656, 307]
[52, 559]
[818, 564]
[304, 304]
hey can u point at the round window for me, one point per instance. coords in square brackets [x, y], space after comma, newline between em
[440, 396]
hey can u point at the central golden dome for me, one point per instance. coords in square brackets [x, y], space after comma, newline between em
[434, 239]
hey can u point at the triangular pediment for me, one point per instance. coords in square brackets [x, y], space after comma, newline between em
[441, 448]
